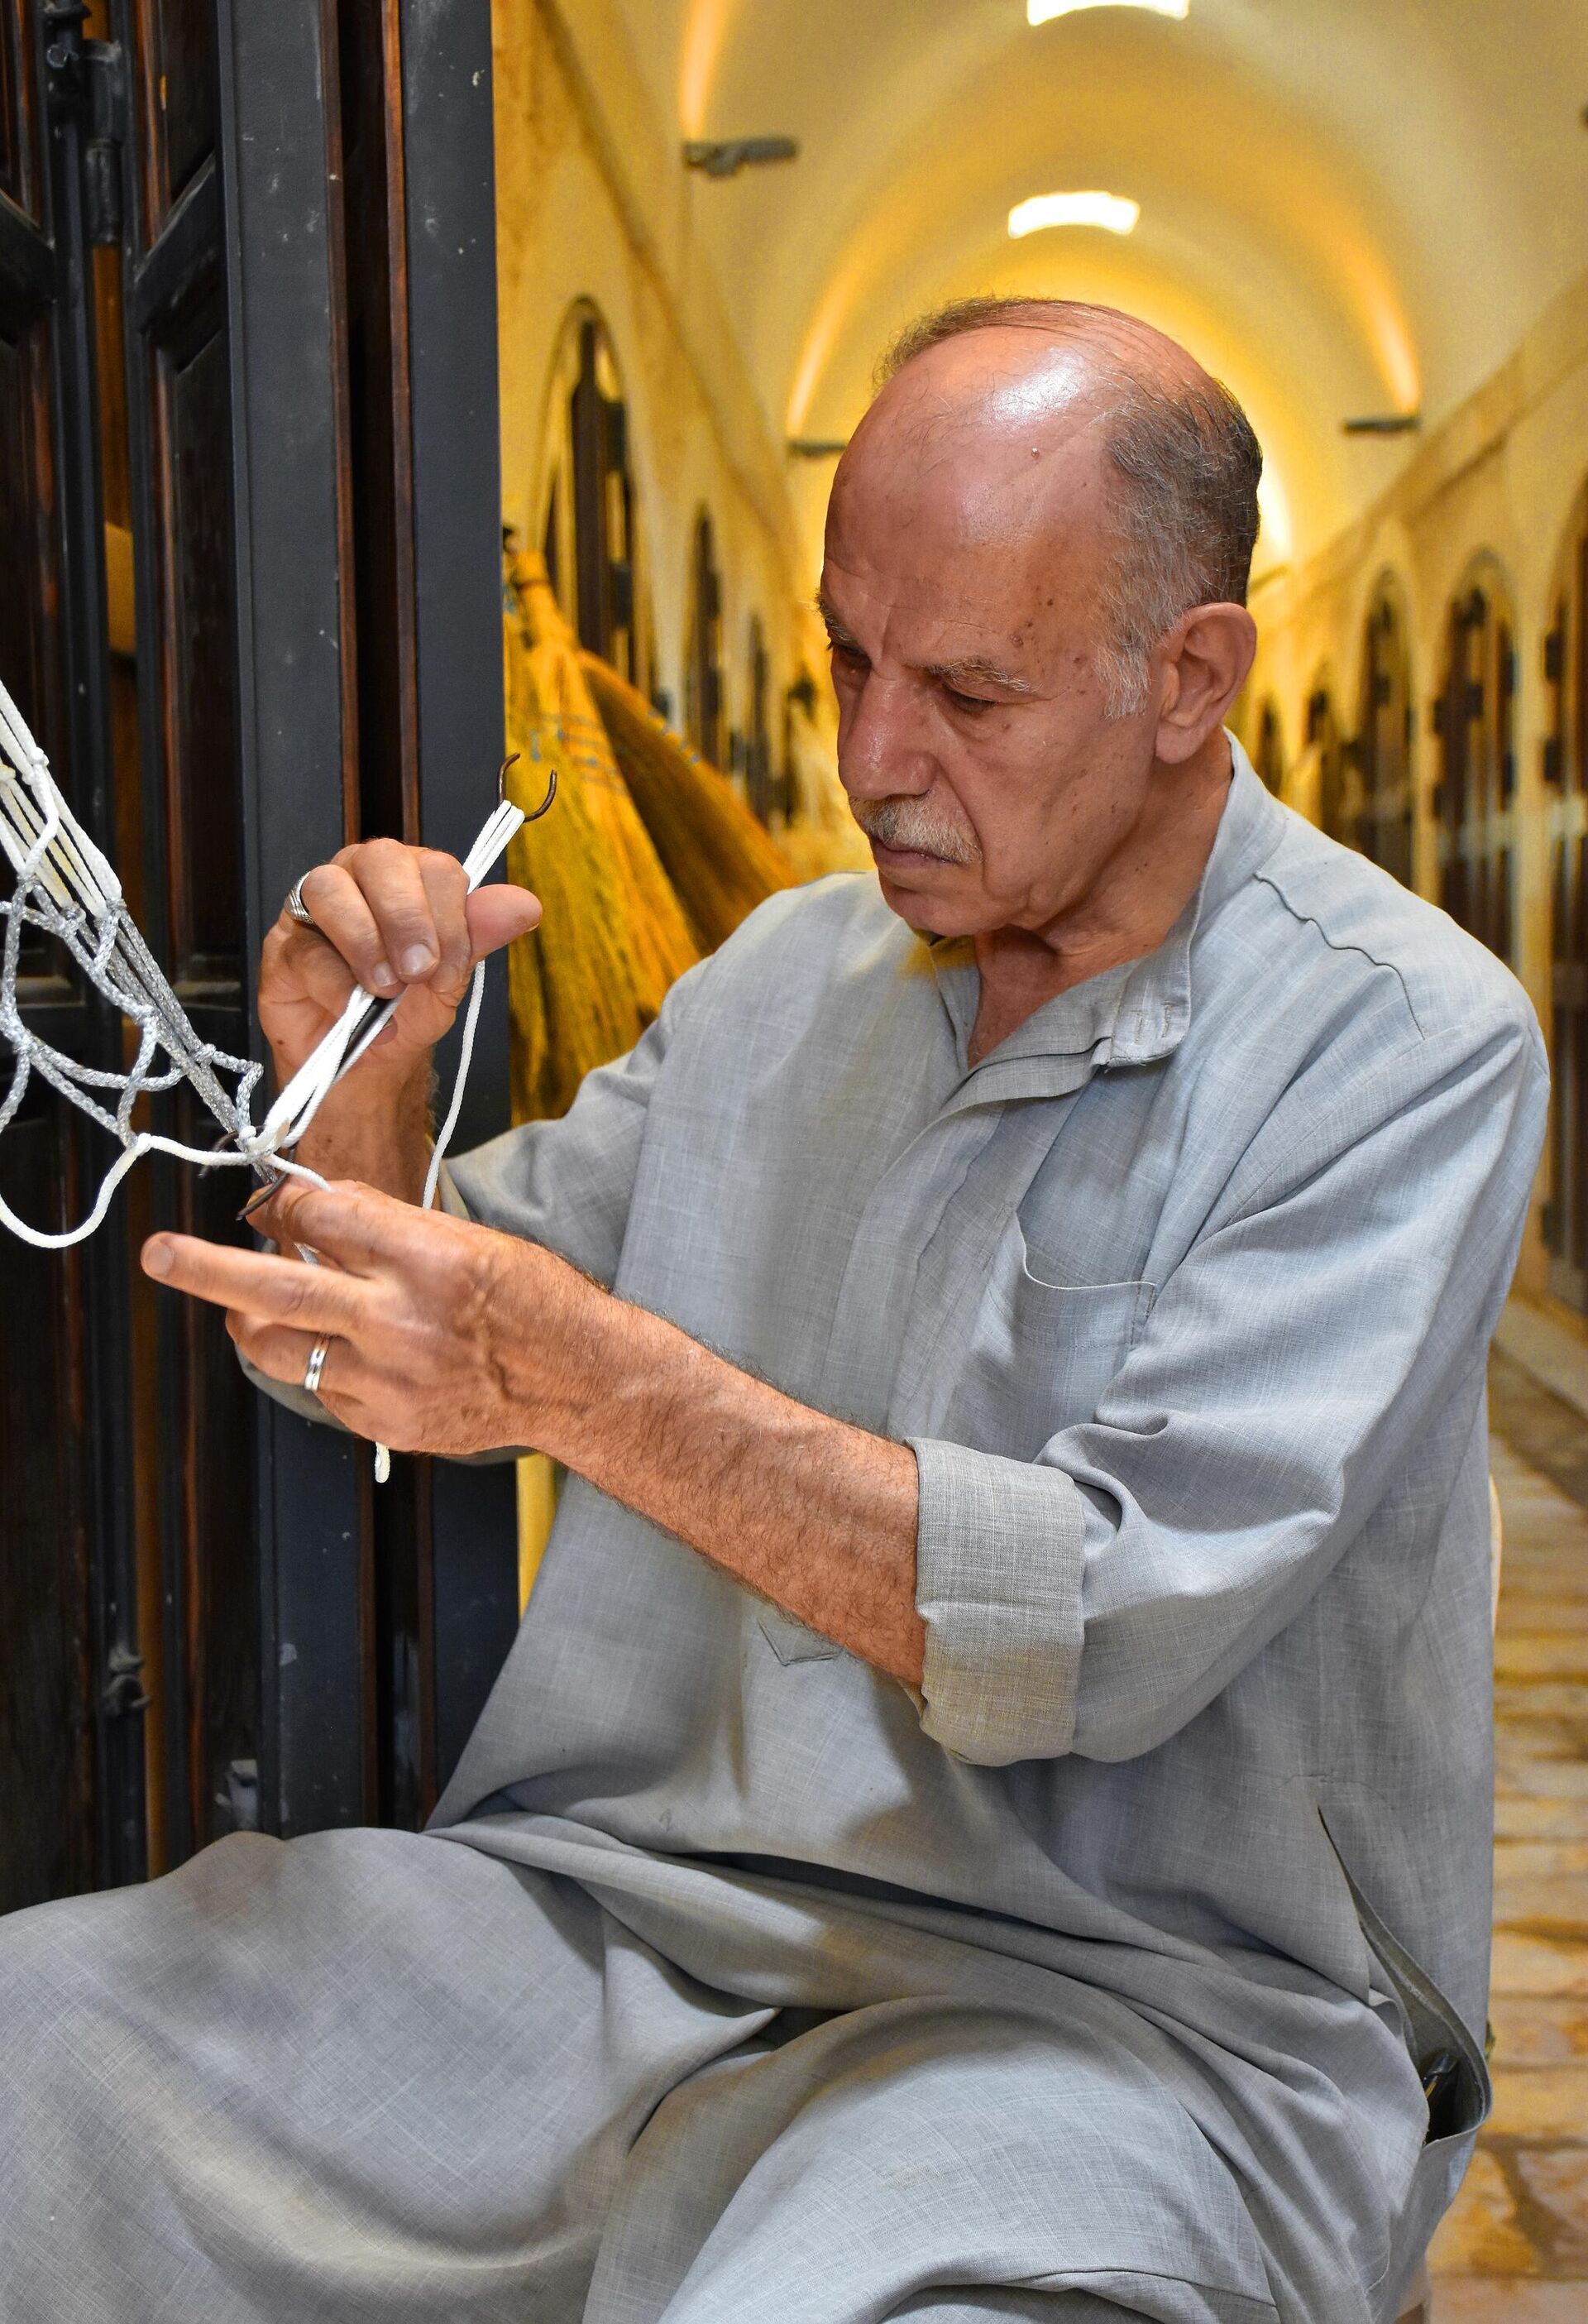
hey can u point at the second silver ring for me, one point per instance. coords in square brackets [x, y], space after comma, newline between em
[315, 1366]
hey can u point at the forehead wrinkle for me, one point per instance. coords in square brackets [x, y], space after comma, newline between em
[949, 670]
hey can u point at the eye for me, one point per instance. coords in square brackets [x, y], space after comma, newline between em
[969, 702]
[842, 651]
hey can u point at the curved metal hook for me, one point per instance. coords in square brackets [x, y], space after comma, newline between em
[501, 787]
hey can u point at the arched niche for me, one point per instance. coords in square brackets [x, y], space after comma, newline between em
[761, 786]
[1565, 790]
[589, 533]
[1336, 786]
[703, 708]
[1268, 755]
[1475, 721]
[1386, 722]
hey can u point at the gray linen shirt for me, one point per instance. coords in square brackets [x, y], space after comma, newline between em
[1181, 1297]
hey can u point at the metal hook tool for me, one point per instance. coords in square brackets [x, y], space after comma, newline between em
[501, 787]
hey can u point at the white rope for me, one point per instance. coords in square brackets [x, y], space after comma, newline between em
[465, 1057]
[66, 890]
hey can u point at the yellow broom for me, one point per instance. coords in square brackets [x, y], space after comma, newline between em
[614, 936]
[719, 860]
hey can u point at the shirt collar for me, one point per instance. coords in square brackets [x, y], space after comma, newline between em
[1139, 1011]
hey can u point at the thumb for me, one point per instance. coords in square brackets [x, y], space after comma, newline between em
[498, 914]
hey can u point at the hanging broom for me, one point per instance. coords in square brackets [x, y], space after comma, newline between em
[615, 936]
[719, 860]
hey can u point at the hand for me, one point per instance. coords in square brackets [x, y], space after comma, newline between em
[432, 1320]
[447, 1337]
[394, 920]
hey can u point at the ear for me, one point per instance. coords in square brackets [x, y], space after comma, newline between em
[1204, 659]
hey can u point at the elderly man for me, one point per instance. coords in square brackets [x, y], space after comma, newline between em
[987, 1817]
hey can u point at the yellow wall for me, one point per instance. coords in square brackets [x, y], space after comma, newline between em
[1499, 476]
[741, 309]
[589, 206]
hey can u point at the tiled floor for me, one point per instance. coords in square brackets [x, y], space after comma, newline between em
[1515, 2248]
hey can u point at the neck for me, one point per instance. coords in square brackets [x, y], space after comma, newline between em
[1129, 906]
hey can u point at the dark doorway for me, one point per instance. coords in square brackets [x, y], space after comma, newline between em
[1475, 720]
[757, 760]
[703, 708]
[1339, 788]
[1384, 735]
[590, 538]
[1268, 758]
[1566, 777]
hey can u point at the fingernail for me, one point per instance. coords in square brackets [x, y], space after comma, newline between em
[384, 977]
[418, 960]
[157, 1258]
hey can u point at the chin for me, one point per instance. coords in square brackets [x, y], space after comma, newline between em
[930, 896]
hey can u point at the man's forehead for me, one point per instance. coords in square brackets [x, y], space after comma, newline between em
[972, 568]
[942, 621]
[913, 498]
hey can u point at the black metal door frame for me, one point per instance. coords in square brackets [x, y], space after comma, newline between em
[447, 111]
[67, 116]
[322, 1747]
[339, 1739]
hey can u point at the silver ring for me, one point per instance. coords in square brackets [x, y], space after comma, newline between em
[297, 908]
[315, 1366]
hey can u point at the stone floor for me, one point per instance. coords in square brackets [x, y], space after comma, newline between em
[1515, 2248]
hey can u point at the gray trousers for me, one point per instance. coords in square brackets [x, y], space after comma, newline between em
[375, 2075]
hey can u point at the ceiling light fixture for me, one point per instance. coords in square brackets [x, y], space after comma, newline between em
[725, 157]
[1116, 213]
[1043, 12]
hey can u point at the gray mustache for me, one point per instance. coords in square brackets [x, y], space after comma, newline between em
[904, 823]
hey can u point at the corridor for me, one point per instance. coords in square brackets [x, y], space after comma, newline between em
[397, 395]
[1515, 2248]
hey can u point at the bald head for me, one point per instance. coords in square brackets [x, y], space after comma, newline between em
[995, 387]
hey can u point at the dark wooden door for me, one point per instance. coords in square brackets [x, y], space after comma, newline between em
[704, 720]
[71, 1745]
[177, 367]
[230, 374]
[1384, 737]
[1565, 775]
[1475, 720]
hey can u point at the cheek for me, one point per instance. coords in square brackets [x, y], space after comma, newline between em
[1037, 801]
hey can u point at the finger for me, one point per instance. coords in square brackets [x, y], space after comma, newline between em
[500, 913]
[363, 1229]
[394, 890]
[447, 887]
[317, 1299]
[318, 969]
[282, 1354]
[344, 920]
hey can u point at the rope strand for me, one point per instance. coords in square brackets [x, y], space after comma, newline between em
[66, 890]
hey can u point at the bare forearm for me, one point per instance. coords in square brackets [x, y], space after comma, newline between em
[374, 1129]
[812, 1513]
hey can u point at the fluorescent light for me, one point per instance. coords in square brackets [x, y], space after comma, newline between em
[1043, 12]
[1116, 213]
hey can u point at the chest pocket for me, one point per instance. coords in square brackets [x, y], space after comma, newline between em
[1039, 1353]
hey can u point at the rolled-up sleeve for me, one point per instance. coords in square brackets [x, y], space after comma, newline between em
[1095, 1599]
[999, 1558]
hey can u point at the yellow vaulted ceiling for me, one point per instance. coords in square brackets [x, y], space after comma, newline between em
[1346, 205]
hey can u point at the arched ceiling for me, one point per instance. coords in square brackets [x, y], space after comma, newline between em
[1346, 205]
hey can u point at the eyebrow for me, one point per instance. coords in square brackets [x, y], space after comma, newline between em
[974, 668]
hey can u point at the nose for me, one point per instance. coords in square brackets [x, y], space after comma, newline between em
[883, 748]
